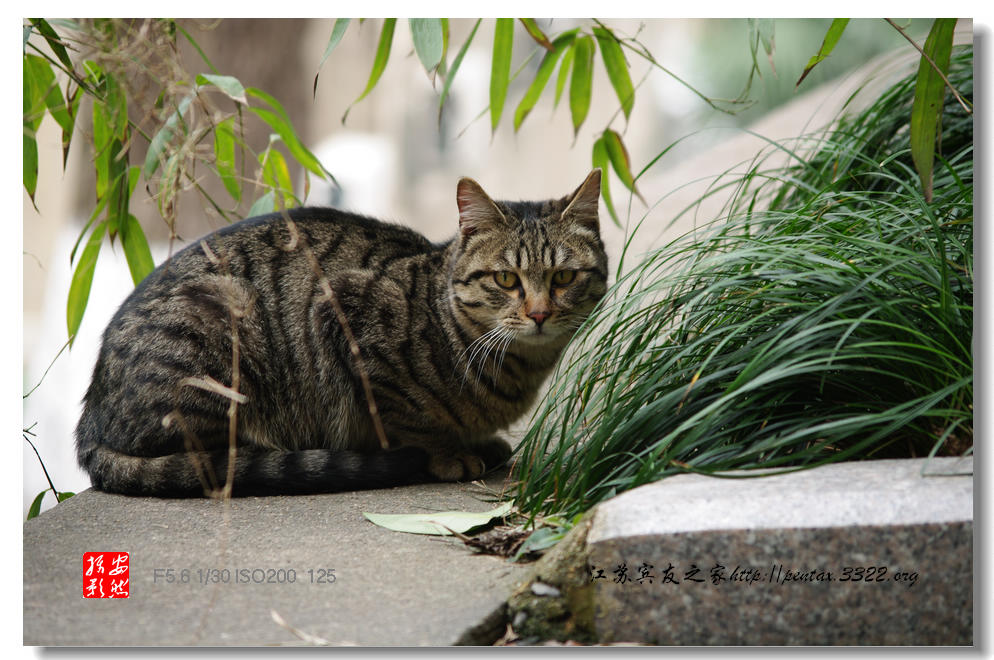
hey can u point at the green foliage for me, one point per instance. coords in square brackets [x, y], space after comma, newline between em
[35, 507]
[581, 80]
[337, 32]
[455, 68]
[82, 278]
[617, 68]
[826, 316]
[186, 112]
[926, 112]
[551, 531]
[545, 69]
[379, 61]
[500, 73]
[832, 37]
[573, 50]
[535, 32]
[429, 40]
[761, 32]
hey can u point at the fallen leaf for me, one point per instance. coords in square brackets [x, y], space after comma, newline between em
[443, 523]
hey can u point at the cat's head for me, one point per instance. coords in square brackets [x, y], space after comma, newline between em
[528, 271]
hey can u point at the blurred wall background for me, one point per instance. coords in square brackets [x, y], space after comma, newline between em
[395, 160]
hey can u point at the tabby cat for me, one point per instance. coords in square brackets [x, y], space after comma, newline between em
[454, 341]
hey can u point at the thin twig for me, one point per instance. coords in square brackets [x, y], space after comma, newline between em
[297, 240]
[69, 341]
[43, 469]
[195, 451]
[934, 66]
[304, 636]
[234, 395]
[211, 385]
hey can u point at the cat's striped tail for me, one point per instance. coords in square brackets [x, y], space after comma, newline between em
[257, 471]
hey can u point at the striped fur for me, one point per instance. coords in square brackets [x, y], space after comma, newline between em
[451, 356]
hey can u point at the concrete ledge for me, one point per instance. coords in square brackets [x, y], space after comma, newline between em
[388, 588]
[865, 553]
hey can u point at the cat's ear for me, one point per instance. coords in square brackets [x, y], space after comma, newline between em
[476, 210]
[581, 206]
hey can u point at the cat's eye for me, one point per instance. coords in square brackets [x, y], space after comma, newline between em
[506, 279]
[563, 277]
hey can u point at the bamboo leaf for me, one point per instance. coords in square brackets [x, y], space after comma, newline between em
[63, 111]
[599, 158]
[134, 173]
[162, 138]
[832, 37]
[73, 100]
[102, 145]
[82, 278]
[116, 101]
[581, 81]
[278, 120]
[930, 90]
[224, 157]
[536, 33]
[38, 78]
[276, 175]
[617, 69]
[500, 71]
[197, 47]
[455, 67]
[65, 495]
[379, 61]
[119, 192]
[766, 27]
[136, 250]
[428, 41]
[54, 41]
[230, 85]
[263, 205]
[101, 205]
[337, 32]
[445, 47]
[620, 161]
[32, 119]
[761, 33]
[542, 76]
[35, 507]
[30, 165]
[442, 523]
[48, 93]
[564, 70]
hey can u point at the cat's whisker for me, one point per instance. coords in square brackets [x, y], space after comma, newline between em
[501, 344]
[479, 348]
[508, 339]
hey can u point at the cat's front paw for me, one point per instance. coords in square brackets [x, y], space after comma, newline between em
[494, 452]
[456, 467]
[481, 458]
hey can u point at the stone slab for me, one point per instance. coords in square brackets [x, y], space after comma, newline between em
[869, 553]
[389, 588]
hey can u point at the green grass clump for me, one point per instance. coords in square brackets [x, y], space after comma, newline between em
[835, 324]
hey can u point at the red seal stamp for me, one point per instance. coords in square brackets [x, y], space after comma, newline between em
[105, 575]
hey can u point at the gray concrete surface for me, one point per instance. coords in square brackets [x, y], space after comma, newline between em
[781, 547]
[389, 588]
[871, 553]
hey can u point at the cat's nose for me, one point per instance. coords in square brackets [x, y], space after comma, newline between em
[539, 316]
